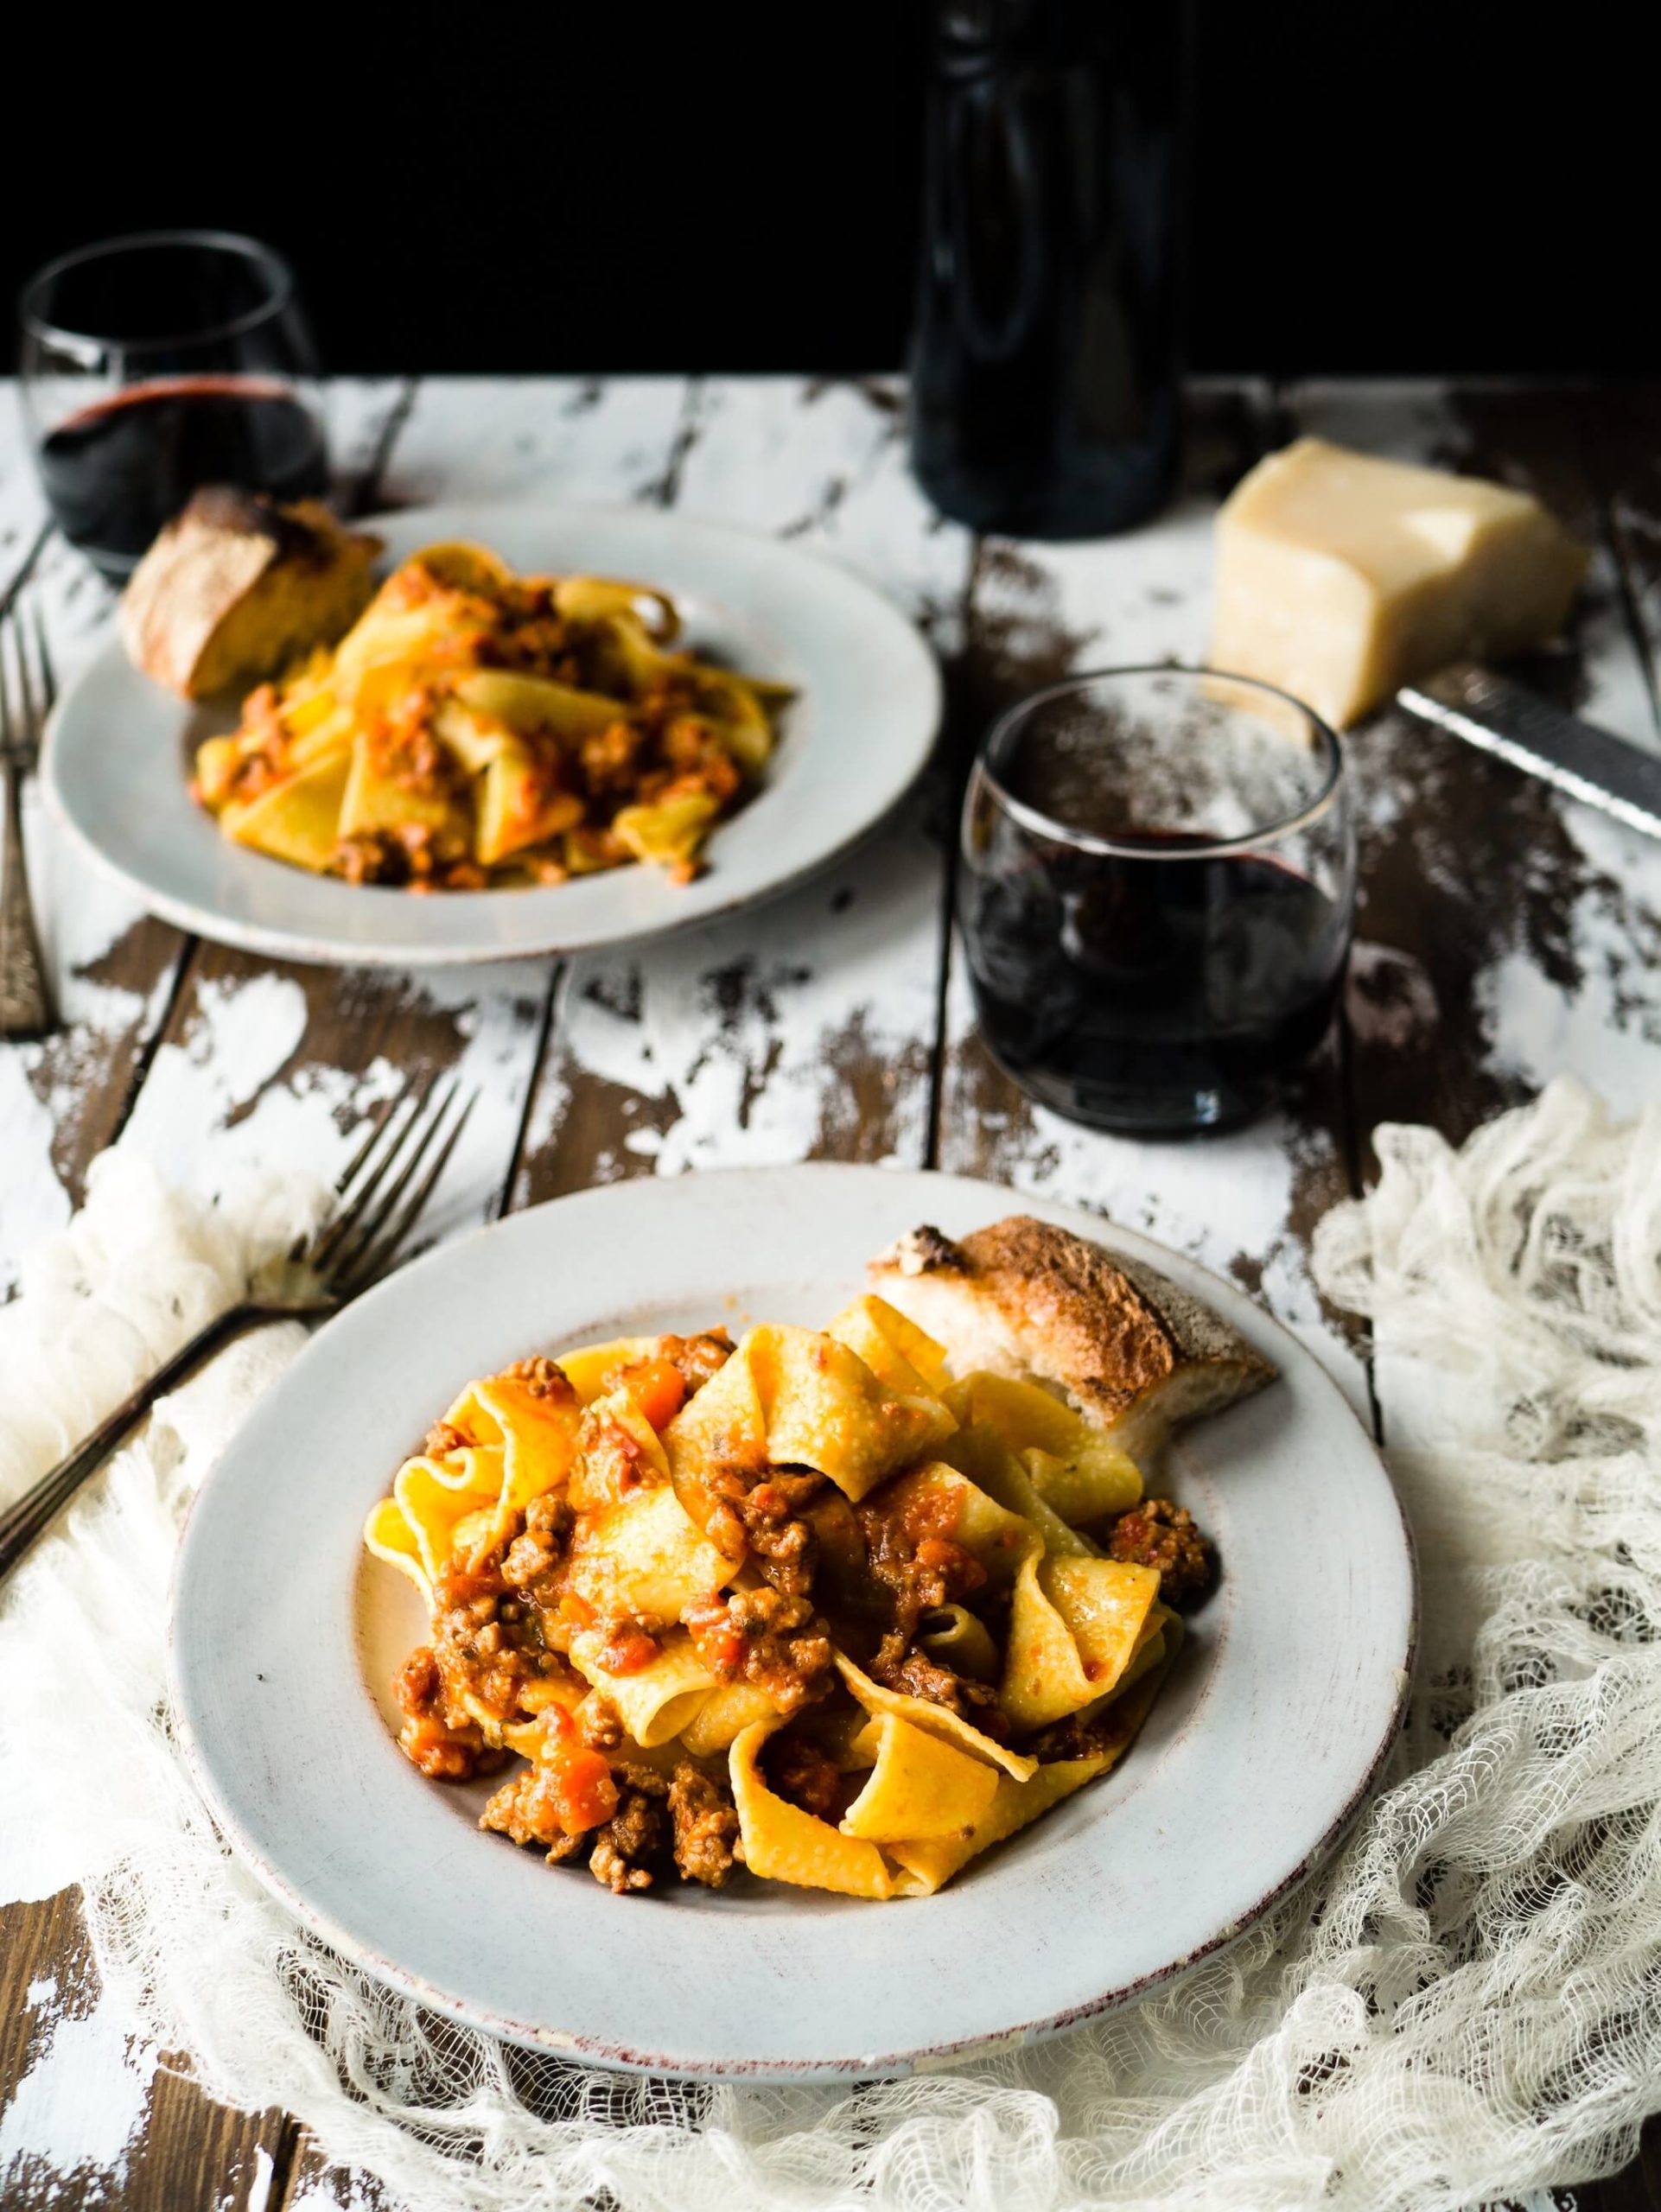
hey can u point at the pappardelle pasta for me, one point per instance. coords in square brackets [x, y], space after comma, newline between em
[806, 1605]
[477, 728]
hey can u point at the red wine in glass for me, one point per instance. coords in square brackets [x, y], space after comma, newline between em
[1145, 987]
[154, 365]
[1155, 890]
[115, 472]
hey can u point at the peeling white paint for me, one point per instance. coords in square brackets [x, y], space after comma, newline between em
[32, 1202]
[80, 2102]
[243, 1035]
[746, 1038]
[825, 466]
[1142, 597]
[741, 1043]
[1536, 1030]
[259, 2187]
[339, 2193]
[565, 438]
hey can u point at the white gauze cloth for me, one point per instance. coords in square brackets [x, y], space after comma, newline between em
[1466, 2002]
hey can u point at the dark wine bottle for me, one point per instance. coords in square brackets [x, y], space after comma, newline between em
[1044, 395]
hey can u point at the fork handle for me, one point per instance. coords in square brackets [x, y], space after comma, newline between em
[22, 1523]
[25, 1000]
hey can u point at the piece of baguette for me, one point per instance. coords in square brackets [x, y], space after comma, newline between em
[238, 586]
[1129, 1350]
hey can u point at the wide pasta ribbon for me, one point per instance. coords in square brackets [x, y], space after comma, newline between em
[1075, 1471]
[803, 1398]
[1075, 1627]
[516, 1443]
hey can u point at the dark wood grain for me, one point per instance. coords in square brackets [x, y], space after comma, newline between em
[87, 1076]
[189, 2151]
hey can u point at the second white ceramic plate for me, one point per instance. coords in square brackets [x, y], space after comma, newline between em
[1257, 1754]
[852, 741]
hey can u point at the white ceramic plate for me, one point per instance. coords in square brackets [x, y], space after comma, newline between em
[852, 741]
[1257, 1754]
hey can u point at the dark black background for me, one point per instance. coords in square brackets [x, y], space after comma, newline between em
[1462, 188]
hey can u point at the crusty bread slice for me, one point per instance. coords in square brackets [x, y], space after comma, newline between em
[1132, 1352]
[237, 586]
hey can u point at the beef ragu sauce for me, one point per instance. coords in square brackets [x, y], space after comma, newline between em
[819, 1574]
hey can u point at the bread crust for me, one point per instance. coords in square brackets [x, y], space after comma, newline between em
[227, 545]
[1128, 1347]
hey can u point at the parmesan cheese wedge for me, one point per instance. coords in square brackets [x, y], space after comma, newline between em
[1340, 577]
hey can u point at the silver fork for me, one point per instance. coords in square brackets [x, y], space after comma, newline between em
[352, 1251]
[26, 1008]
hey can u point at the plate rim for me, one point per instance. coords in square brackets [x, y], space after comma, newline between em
[890, 2064]
[277, 942]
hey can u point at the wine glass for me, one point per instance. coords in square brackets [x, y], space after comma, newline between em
[1156, 895]
[154, 364]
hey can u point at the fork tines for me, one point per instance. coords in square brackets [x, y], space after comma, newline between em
[28, 688]
[386, 1187]
[26, 693]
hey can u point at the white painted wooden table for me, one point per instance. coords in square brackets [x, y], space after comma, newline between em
[1503, 934]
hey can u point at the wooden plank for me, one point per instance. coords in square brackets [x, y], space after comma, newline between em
[115, 969]
[1505, 932]
[1244, 1202]
[87, 2117]
[1619, 431]
[581, 439]
[806, 1030]
[110, 967]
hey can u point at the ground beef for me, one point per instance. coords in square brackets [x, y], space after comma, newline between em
[776, 1643]
[443, 1750]
[901, 1666]
[544, 1378]
[487, 1634]
[634, 1835]
[523, 1810]
[690, 1818]
[1158, 1534]
[768, 1516]
[442, 1440]
[915, 1562]
[629, 1646]
[609, 760]
[696, 1358]
[706, 1844]
[543, 1531]
[1080, 1736]
[599, 1724]
[370, 858]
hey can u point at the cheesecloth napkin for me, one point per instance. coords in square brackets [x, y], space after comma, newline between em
[1466, 2002]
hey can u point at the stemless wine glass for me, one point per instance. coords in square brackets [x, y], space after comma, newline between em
[154, 364]
[1156, 895]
